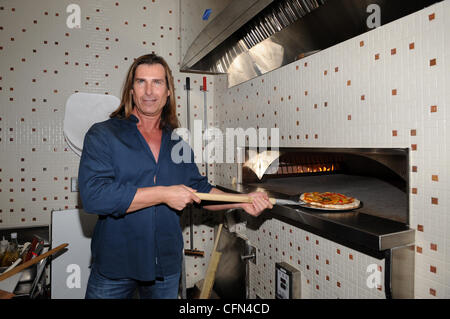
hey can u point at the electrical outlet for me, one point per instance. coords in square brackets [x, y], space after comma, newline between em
[287, 281]
[74, 184]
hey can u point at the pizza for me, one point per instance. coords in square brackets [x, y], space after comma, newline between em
[330, 200]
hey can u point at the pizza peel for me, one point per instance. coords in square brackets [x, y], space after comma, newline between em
[238, 198]
[245, 199]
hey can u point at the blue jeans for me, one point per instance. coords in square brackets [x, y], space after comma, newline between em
[101, 287]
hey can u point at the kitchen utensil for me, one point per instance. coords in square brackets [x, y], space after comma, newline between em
[238, 198]
[205, 123]
[212, 268]
[18, 261]
[33, 261]
[192, 251]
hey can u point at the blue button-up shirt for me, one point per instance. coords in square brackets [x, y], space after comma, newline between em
[115, 162]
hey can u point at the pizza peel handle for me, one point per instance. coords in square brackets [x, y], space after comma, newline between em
[234, 198]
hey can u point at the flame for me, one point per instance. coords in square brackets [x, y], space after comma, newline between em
[312, 168]
[284, 169]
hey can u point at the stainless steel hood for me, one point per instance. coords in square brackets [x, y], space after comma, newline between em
[252, 37]
[231, 19]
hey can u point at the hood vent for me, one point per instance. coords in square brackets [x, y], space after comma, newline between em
[275, 18]
[252, 37]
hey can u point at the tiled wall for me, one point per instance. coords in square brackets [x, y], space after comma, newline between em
[385, 88]
[43, 62]
[328, 270]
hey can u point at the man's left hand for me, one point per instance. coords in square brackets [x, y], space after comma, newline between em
[259, 204]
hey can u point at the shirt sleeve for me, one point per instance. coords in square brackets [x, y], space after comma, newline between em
[99, 191]
[196, 180]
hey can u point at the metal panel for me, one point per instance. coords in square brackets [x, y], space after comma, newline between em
[230, 280]
[70, 271]
[224, 25]
[402, 272]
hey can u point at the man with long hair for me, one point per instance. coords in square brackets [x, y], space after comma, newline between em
[128, 178]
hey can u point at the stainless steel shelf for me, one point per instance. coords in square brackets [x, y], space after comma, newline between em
[369, 234]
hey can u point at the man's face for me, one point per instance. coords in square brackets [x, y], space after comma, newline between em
[150, 89]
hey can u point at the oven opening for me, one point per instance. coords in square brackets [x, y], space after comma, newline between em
[378, 177]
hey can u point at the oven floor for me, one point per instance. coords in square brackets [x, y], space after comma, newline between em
[378, 197]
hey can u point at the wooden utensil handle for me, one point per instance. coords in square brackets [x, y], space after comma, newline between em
[31, 262]
[229, 198]
[224, 197]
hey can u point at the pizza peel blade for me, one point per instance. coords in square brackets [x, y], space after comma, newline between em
[279, 201]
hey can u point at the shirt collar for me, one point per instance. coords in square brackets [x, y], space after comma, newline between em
[133, 118]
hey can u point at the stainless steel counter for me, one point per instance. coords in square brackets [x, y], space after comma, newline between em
[367, 233]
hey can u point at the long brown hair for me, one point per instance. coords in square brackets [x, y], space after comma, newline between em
[169, 119]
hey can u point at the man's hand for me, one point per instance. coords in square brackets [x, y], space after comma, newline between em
[259, 204]
[179, 196]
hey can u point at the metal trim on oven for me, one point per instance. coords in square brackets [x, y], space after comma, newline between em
[400, 238]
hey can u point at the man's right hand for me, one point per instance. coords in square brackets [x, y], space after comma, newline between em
[179, 196]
